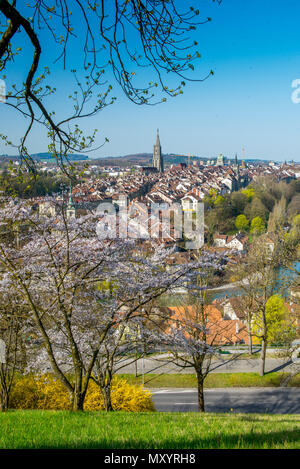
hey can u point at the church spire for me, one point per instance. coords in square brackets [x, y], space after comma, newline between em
[157, 138]
[158, 162]
[71, 212]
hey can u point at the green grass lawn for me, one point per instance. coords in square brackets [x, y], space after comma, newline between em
[214, 380]
[89, 430]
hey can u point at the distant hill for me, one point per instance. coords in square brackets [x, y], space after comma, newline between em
[141, 159]
[48, 156]
[145, 159]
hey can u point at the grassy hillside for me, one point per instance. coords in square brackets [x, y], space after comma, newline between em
[64, 430]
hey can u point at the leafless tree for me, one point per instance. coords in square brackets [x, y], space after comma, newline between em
[195, 333]
[258, 276]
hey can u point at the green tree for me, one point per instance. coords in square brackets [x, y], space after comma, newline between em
[239, 201]
[258, 279]
[249, 193]
[213, 193]
[279, 326]
[294, 206]
[242, 222]
[277, 216]
[256, 209]
[219, 201]
[294, 235]
[296, 221]
[257, 226]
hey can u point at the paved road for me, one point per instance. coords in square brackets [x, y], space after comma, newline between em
[252, 400]
[226, 365]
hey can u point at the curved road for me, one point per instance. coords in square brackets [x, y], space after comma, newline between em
[237, 400]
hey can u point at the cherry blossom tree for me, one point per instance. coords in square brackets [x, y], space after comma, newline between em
[13, 330]
[121, 347]
[192, 333]
[76, 287]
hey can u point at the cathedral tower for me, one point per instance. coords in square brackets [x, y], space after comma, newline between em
[158, 161]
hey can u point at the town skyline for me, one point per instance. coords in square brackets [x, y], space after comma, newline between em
[157, 156]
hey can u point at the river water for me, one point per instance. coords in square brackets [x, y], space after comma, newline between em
[285, 276]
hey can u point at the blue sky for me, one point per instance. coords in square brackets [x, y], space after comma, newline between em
[253, 46]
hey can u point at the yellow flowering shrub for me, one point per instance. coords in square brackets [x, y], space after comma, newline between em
[24, 394]
[53, 395]
[46, 392]
[39, 392]
[124, 396]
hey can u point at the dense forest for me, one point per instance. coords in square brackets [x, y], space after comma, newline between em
[260, 207]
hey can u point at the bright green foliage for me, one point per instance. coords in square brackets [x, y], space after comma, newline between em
[219, 201]
[213, 193]
[276, 317]
[242, 222]
[257, 226]
[296, 221]
[279, 325]
[250, 193]
[163, 430]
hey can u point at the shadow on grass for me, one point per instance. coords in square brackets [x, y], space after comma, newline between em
[250, 439]
[121, 431]
[281, 367]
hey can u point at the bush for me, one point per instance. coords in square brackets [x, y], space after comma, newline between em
[39, 392]
[45, 392]
[124, 396]
[24, 394]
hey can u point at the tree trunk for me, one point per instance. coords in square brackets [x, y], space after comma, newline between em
[78, 394]
[104, 384]
[4, 400]
[263, 357]
[200, 382]
[4, 391]
[263, 344]
[250, 350]
[106, 392]
[77, 401]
